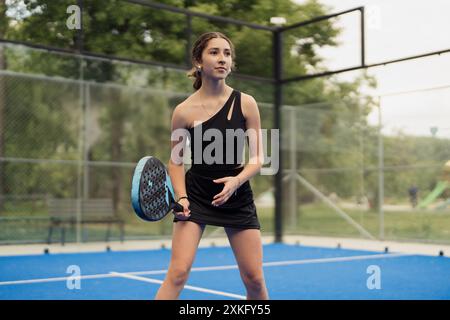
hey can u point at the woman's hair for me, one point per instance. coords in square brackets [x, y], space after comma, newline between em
[196, 55]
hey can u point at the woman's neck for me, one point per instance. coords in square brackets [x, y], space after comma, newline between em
[213, 88]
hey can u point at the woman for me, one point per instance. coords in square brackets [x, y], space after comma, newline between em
[216, 193]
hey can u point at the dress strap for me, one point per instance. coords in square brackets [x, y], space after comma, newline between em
[235, 103]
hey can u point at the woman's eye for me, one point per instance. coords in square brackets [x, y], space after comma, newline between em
[226, 53]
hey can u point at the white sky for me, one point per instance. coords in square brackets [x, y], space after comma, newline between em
[396, 29]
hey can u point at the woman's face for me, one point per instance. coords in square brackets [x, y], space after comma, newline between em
[216, 58]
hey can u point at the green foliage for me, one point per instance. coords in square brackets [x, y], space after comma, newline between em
[4, 21]
[131, 122]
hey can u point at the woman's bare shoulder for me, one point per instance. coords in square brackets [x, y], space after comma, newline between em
[182, 111]
[248, 104]
[186, 105]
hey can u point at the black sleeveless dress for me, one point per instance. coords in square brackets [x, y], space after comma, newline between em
[239, 210]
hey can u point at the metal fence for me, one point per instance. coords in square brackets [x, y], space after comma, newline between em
[373, 169]
[345, 174]
[65, 138]
[73, 127]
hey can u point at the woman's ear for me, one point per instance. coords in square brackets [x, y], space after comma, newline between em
[197, 63]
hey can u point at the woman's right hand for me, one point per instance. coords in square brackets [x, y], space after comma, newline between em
[186, 212]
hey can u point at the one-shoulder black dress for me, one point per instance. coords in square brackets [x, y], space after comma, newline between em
[239, 210]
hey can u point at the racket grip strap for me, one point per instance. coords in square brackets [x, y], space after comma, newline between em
[177, 207]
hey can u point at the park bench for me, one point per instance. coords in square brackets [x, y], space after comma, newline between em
[63, 212]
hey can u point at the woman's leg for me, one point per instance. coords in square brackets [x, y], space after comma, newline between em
[247, 248]
[185, 239]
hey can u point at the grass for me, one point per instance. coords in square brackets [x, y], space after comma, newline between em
[311, 219]
[416, 225]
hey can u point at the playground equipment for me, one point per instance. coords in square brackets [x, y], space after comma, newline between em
[447, 171]
[438, 190]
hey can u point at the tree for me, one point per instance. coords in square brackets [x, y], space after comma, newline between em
[128, 30]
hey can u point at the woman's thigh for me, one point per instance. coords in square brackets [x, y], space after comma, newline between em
[185, 239]
[247, 249]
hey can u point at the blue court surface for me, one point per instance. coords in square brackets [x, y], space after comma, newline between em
[292, 272]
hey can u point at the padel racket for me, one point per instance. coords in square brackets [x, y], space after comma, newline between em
[152, 194]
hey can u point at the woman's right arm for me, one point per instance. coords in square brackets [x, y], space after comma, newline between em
[176, 165]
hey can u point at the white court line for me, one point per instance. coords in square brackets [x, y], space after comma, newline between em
[199, 289]
[94, 276]
[286, 263]
[338, 259]
[216, 268]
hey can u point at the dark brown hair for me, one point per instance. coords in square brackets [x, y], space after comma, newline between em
[196, 55]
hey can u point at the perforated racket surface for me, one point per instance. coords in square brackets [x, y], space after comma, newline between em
[152, 195]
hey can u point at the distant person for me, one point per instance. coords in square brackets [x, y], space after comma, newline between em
[413, 190]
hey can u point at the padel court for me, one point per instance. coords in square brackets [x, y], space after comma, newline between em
[292, 272]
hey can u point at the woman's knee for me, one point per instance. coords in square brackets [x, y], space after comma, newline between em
[254, 280]
[178, 275]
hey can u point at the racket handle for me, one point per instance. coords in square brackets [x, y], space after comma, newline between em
[177, 207]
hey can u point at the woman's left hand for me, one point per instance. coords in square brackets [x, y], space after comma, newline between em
[231, 185]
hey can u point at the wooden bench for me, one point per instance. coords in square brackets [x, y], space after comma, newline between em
[63, 212]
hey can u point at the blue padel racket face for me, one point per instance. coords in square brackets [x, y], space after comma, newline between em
[151, 191]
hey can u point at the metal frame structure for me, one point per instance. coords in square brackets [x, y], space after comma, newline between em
[277, 79]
